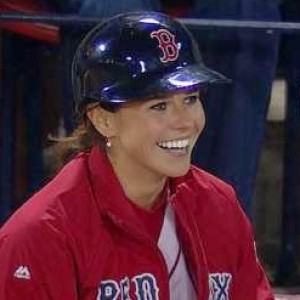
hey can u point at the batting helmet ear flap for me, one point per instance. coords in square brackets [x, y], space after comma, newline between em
[136, 55]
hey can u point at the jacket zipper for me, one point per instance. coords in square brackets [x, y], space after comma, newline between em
[202, 287]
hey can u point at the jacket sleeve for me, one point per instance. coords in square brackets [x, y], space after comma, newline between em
[264, 290]
[35, 264]
[251, 281]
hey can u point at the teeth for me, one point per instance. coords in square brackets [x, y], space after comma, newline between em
[174, 144]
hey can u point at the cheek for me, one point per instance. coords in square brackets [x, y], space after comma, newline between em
[139, 132]
[199, 118]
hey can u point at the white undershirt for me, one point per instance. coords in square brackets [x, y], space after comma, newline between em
[180, 284]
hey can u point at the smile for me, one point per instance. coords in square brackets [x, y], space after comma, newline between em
[174, 144]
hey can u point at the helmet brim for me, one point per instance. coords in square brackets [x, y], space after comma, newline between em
[190, 76]
[183, 79]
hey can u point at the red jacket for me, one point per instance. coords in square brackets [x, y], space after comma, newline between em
[79, 238]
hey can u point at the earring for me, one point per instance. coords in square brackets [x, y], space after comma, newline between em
[108, 143]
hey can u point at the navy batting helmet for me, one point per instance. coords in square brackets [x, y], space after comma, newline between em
[135, 56]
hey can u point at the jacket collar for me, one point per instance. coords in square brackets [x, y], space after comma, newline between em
[107, 188]
[109, 193]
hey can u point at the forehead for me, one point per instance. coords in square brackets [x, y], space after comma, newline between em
[160, 97]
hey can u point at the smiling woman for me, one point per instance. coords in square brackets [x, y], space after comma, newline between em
[129, 217]
[167, 131]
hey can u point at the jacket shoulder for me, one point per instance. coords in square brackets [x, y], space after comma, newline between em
[210, 183]
[213, 195]
[54, 203]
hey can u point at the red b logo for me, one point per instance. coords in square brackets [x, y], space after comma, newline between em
[167, 45]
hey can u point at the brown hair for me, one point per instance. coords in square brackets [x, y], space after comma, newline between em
[63, 149]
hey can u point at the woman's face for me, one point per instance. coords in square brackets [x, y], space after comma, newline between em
[156, 137]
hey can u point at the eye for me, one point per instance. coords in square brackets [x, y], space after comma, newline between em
[159, 106]
[191, 99]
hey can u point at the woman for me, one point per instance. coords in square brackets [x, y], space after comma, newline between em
[129, 217]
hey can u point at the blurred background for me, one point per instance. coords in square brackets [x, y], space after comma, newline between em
[252, 136]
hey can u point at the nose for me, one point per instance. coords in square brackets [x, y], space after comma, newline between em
[181, 117]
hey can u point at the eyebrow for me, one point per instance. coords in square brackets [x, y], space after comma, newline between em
[157, 97]
[168, 95]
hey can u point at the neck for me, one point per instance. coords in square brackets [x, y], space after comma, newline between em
[141, 188]
[143, 196]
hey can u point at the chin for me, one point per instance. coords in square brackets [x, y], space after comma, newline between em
[178, 172]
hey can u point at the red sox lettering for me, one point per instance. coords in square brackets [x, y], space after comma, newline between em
[167, 45]
[145, 286]
[219, 285]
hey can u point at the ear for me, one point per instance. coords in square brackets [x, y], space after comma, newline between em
[103, 121]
